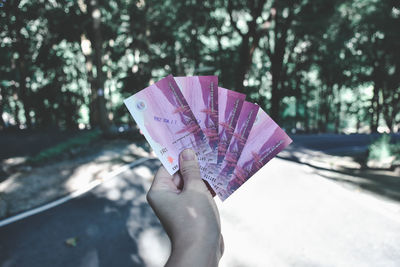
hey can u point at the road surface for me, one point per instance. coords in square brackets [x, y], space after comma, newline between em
[339, 144]
[286, 215]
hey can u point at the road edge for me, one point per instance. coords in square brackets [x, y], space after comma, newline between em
[72, 195]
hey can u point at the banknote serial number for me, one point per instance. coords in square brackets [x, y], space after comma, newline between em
[165, 120]
[168, 121]
[210, 178]
[163, 151]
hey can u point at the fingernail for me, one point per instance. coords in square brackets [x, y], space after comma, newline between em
[188, 154]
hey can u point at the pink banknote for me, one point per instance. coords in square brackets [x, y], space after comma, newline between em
[201, 93]
[265, 141]
[166, 121]
[229, 104]
[244, 124]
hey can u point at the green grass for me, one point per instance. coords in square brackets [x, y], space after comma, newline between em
[72, 143]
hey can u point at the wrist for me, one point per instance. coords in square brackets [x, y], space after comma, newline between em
[195, 241]
[195, 251]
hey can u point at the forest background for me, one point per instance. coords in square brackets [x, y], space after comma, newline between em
[315, 66]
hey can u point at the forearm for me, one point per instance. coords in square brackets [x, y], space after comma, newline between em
[202, 254]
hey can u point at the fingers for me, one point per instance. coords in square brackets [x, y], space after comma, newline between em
[178, 181]
[164, 181]
[209, 188]
[162, 172]
[189, 169]
[187, 178]
[160, 176]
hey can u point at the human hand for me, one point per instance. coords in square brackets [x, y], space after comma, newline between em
[188, 214]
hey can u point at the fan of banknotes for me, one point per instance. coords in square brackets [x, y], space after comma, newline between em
[232, 138]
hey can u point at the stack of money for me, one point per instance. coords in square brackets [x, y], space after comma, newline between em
[232, 138]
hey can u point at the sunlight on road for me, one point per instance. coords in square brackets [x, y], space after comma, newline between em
[284, 216]
[154, 247]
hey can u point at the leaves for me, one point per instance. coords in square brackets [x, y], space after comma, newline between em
[302, 60]
[71, 242]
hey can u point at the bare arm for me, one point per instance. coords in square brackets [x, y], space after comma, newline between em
[188, 213]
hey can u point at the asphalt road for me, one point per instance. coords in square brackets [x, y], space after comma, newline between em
[286, 215]
[28, 143]
[339, 144]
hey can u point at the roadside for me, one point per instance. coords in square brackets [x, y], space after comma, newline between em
[25, 186]
[28, 186]
[25, 143]
[341, 158]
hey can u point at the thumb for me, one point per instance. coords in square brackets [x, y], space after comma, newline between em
[189, 169]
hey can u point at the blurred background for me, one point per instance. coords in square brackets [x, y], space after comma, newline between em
[327, 71]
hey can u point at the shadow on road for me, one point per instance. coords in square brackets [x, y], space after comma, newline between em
[113, 226]
[378, 182]
[28, 188]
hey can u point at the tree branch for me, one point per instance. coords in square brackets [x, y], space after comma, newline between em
[233, 23]
[259, 8]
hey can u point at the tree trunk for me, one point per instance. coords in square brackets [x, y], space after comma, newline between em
[246, 53]
[23, 92]
[250, 42]
[243, 66]
[277, 62]
[298, 101]
[391, 101]
[338, 111]
[327, 105]
[321, 108]
[376, 108]
[93, 105]
[16, 110]
[358, 124]
[21, 50]
[2, 101]
[306, 112]
[275, 98]
[96, 40]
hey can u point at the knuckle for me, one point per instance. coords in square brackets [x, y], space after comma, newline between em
[190, 168]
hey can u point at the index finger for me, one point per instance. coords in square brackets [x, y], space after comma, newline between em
[164, 181]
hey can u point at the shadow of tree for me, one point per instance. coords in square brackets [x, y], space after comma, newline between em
[26, 190]
[113, 226]
[383, 185]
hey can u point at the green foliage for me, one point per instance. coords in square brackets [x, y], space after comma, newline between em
[73, 143]
[395, 148]
[314, 65]
[382, 149]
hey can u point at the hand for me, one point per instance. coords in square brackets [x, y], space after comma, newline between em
[188, 213]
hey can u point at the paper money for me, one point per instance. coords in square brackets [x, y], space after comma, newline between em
[229, 104]
[244, 124]
[232, 138]
[201, 93]
[167, 122]
[265, 141]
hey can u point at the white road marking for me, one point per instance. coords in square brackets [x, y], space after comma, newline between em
[72, 195]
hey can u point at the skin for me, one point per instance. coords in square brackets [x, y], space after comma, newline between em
[188, 214]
